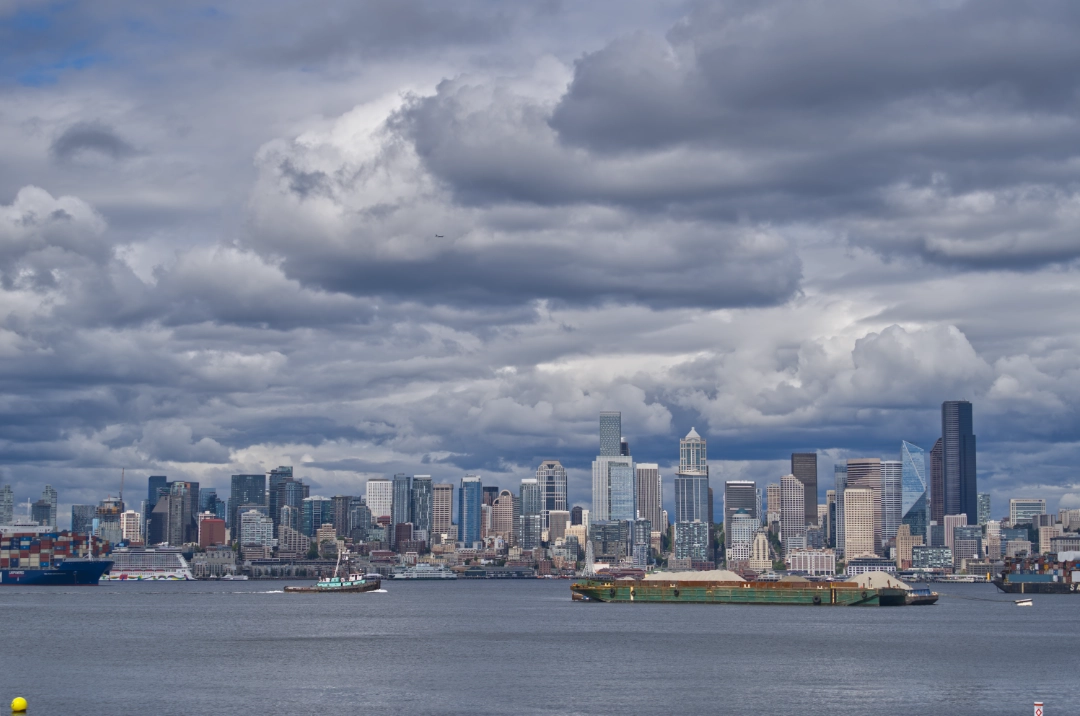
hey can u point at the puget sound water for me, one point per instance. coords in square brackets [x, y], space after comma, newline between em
[522, 647]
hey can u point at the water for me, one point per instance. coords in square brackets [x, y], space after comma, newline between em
[476, 647]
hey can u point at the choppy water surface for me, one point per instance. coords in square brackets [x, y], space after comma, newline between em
[523, 647]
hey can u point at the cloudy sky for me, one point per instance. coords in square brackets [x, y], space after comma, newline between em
[793, 225]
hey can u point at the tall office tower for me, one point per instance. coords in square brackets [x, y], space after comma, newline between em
[610, 434]
[207, 499]
[7, 505]
[442, 508]
[491, 493]
[470, 500]
[624, 447]
[529, 526]
[315, 512]
[739, 495]
[1022, 510]
[154, 485]
[281, 491]
[558, 521]
[487, 518]
[804, 468]
[951, 523]
[692, 541]
[859, 540]
[244, 490]
[840, 481]
[914, 492]
[830, 519]
[39, 513]
[865, 473]
[50, 496]
[108, 516]
[958, 459]
[401, 505]
[339, 514]
[82, 518]
[743, 527]
[576, 515]
[891, 498]
[792, 513]
[131, 526]
[937, 483]
[379, 495]
[422, 507]
[758, 505]
[772, 502]
[359, 519]
[613, 488]
[552, 478]
[692, 480]
[984, 507]
[648, 492]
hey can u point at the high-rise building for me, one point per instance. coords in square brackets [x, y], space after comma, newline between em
[470, 500]
[7, 505]
[859, 540]
[82, 518]
[359, 520]
[830, 518]
[50, 496]
[401, 506]
[743, 527]
[958, 459]
[1022, 510]
[502, 516]
[40, 511]
[984, 507]
[379, 495]
[692, 480]
[422, 507]
[551, 476]
[558, 521]
[792, 513]
[442, 512]
[491, 493]
[951, 523]
[339, 513]
[739, 495]
[865, 474]
[624, 446]
[154, 485]
[937, 484]
[315, 512]
[649, 492]
[244, 490]
[285, 491]
[840, 482]
[610, 434]
[914, 492]
[256, 529]
[131, 526]
[804, 468]
[772, 503]
[891, 498]
[692, 541]
[613, 488]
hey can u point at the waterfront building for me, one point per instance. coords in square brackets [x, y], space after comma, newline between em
[256, 529]
[792, 514]
[442, 507]
[1065, 543]
[813, 562]
[7, 505]
[760, 558]
[1022, 510]
[743, 528]
[648, 489]
[891, 499]
[314, 512]
[870, 563]
[379, 495]
[951, 523]
[51, 499]
[840, 482]
[905, 541]
[739, 495]
[211, 530]
[958, 459]
[1017, 548]
[692, 541]
[804, 469]
[858, 522]
[914, 489]
[984, 507]
[244, 490]
[470, 500]
[131, 526]
[551, 476]
[924, 557]
[865, 474]
[82, 518]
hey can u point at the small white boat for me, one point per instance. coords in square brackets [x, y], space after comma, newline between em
[1023, 602]
[234, 578]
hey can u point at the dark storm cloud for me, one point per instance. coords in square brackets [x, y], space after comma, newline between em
[90, 138]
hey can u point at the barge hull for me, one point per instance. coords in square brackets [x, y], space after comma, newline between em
[815, 594]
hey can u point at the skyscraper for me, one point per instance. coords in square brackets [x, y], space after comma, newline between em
[49, 495]
[914, 503]
[937, 484]
[379, 495]
[613, 474]
[284, 490]
[792, 513]
[314, 513]
[859, 540]
[984, 507]
[503, 516]
[401, 505]
[529, 525]
[804, 468]
[422, 507]
[649, 492]
[470, 499]
[7, 505]
[244, 490]
[692, 480]
[958, 459]
[154, 485]
[891, 498]
[491, 493]
[739, 495]
[610, 433]
[82, 518]
[840, 481]
[865, 473]
[772, 502]
[442, 513]
[551, 476]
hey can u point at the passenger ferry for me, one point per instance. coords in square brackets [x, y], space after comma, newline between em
[424, 571]
[148, 564]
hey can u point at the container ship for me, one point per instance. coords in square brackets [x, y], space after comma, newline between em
[723, 587]
[1040, 575]
[50, 559]
[149, 564]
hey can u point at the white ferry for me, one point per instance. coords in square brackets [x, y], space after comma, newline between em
[148, 564]
[424, 571]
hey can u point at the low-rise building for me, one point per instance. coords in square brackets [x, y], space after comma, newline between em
[864, 564]
[814, 562]
[926, 557]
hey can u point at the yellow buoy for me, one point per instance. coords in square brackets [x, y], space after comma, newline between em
[18, 705]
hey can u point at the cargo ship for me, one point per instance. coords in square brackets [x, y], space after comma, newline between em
[50, 559]
[722, 587]
[1040, 576]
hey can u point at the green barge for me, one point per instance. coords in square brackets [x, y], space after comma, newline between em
[847, 594]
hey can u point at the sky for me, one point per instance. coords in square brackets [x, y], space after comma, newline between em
[363, 238]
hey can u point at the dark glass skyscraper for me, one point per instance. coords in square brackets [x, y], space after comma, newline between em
[611, 434]
[958, 460]
[937, 485]
[422, 506]
[245, 490]
[154, 485]
[914, 507]
[804, 468]
[470, 500]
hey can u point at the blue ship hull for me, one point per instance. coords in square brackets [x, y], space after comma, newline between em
[66, 574]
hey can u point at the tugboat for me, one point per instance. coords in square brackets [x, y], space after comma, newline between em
[354, 582]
